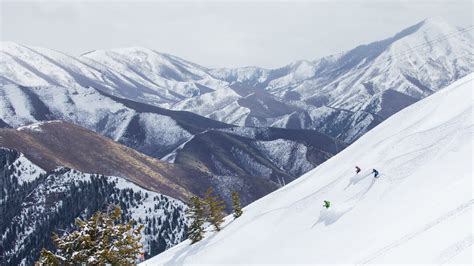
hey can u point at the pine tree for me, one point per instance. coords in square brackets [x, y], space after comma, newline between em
[236, 204]
[196, 215]
[216, 207]
[98, 240]
[49, 258]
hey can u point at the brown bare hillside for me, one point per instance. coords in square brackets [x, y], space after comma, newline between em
[56, 143]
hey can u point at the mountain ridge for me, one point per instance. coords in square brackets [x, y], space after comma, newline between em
[56, 144]
[59, 143]
[439, 55]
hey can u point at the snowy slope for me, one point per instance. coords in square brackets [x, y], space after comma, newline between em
[418, 211]
[135, 73]
[154, 132]
[165, 78]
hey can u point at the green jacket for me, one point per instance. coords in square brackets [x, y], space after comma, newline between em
[327, 204]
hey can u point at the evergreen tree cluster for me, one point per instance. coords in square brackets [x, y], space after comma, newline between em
[97, 241]
[209, 209]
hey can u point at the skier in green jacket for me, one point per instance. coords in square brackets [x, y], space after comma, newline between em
[327, 204]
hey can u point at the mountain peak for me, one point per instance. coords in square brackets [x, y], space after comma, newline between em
[136, 54]
[434, 27]
[435, 21]
[437, 25]
[9, 45]
[123, 51]
[134, 49]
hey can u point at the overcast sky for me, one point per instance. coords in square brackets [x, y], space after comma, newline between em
[230, 34]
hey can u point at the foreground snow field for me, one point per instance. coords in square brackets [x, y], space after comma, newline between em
[418, 211]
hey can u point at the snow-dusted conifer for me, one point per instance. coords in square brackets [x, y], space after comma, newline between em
[215, 214]
[196, 214]
[236, 204]
[97, 241]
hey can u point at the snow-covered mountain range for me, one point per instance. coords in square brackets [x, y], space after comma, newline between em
[250, 130]
[252, 161]
[342, 95]
[418, 211]
[35, 203]
[346, 94]
[174, 136]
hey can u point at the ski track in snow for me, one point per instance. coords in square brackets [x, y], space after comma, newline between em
[457, 211]
[455, 249]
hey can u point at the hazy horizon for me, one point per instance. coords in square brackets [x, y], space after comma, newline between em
[225, 34]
